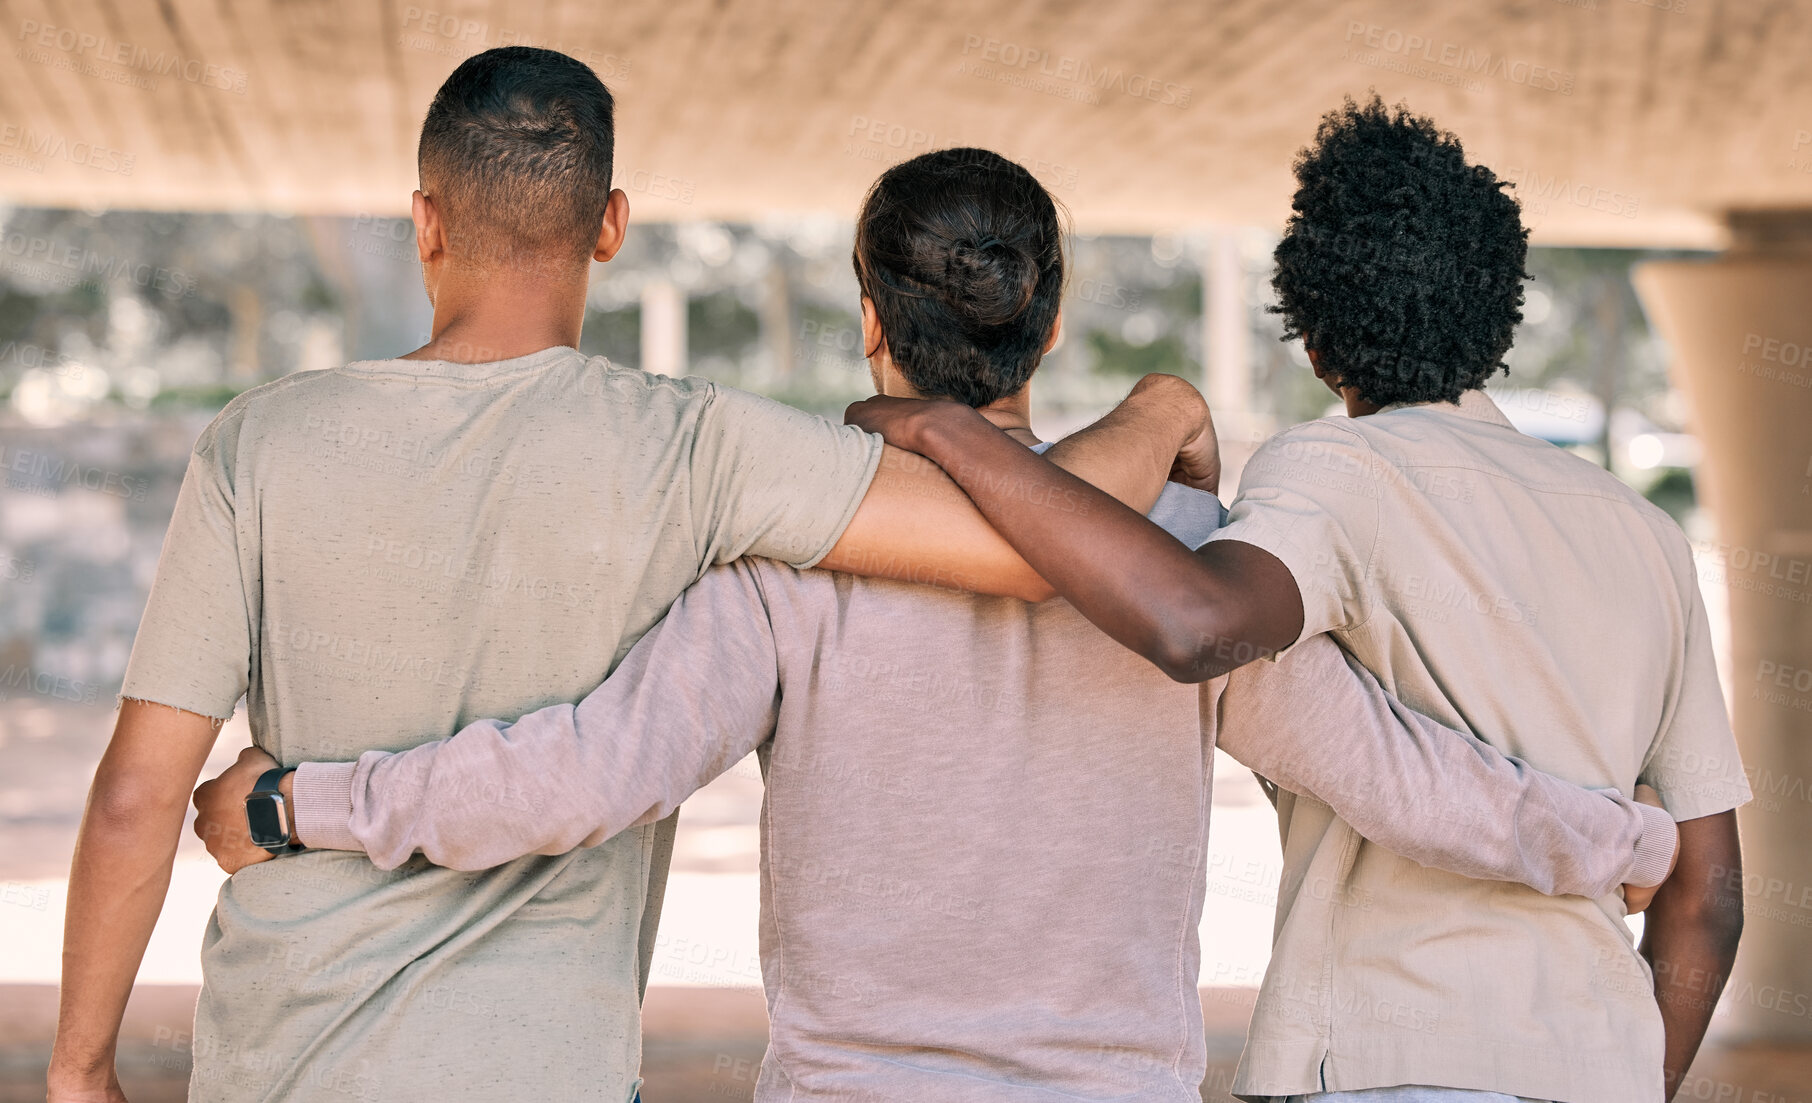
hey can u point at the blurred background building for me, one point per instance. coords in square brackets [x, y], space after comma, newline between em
[197, 199]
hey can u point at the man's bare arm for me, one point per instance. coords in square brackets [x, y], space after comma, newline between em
[918, 525]
[1191, 614]
[117, 885]
[1690, 936]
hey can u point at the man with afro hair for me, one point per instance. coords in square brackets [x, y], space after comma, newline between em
[1402, 260]
[1490, 580]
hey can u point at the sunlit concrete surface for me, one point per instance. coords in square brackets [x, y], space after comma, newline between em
[1623, 121]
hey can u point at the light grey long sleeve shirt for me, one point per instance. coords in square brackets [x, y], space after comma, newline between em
[985, 828]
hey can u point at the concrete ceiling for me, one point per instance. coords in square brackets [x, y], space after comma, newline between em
[1625, 122]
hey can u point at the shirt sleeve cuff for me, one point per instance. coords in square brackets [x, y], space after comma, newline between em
[1655, 849]
[323, 805]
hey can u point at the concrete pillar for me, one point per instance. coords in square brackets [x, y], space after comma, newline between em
[663, 328]
[777, 319]
[373, 268]
[1227, 334]
[1740, 328]
[248, 325]
[1228, 359]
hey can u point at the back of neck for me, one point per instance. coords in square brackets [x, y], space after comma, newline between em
[500, 316]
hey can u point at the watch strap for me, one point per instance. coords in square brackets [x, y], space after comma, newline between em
[271, 780]
[269, 785]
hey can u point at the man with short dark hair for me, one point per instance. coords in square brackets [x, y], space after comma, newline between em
[537, 185]
[1490, 581]
[482, 527]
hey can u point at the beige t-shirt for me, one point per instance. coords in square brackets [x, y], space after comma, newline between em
[377, 555]
[1500, 585]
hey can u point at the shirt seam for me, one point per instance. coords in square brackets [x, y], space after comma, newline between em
[780, 988]
[768, 835]
[1353, 843]
[1692, 614]
[1185, 990]
[1377, 528]
[691, 514]
[1371, 557]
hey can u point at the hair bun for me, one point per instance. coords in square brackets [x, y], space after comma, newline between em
[988, 281]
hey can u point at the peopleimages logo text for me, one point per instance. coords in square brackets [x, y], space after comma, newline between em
[55, 147]
[1459, 58]
[1036, 61]
[42, 684]
[111, 51]
[39, 470]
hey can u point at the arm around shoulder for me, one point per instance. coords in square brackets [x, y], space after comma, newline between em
[918, 524]
[694, 695]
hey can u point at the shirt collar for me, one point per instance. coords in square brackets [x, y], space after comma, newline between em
[465, 373]
[1473, 405]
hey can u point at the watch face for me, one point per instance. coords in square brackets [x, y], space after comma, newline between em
[268, 819]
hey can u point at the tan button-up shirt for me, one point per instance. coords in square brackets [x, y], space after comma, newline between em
[1500, 585]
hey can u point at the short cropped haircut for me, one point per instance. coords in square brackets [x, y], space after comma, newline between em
[1402, 266]
[961, 252]
[516, 151]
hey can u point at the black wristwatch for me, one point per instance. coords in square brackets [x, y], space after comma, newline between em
[267, 814]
